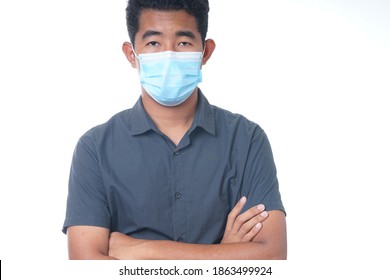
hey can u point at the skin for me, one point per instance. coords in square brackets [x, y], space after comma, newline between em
[93, 243]
[254, 234]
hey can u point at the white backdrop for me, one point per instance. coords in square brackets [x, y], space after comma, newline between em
[314, 74]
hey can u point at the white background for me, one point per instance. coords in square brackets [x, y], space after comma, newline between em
[314, 74]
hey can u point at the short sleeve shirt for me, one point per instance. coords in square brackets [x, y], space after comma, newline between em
[129, 177]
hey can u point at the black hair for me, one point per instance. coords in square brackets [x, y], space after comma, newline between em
[197, 8]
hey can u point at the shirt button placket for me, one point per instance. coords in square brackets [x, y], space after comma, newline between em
[180, 220]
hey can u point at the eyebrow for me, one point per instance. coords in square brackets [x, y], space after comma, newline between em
[150, 33]
[189, 34]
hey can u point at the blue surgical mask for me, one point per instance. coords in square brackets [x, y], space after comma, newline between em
[170, 77]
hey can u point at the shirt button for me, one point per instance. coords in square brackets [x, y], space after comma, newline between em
[177, 195]
[177, 153]
[180, 239]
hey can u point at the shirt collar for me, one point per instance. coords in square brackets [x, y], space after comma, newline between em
[140, 122]
[204, 116]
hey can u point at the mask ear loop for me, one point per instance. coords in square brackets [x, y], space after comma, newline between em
[136, 55]
[201, 58]
[204, 49]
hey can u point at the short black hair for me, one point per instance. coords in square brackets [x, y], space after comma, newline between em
[197, 8]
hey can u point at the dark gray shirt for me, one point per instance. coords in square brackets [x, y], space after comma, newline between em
[129, 177]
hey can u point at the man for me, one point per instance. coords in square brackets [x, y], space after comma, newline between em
[173, 177]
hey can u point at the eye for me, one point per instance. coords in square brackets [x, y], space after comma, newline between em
[184, 44]
[153, 44]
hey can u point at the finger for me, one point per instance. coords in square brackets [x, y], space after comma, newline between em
[252, 233]
[250, 224]
[234, 213]
[246, 216]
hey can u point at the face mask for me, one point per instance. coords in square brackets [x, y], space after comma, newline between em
[170, 77]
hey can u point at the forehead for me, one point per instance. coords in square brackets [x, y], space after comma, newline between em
[166, 21]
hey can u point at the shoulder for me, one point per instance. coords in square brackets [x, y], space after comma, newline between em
[228, 121]
[100, 132]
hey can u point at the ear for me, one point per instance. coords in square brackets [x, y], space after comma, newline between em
[209, 48]
[129, 53]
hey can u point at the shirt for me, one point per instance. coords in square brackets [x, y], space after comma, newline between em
[129, 177]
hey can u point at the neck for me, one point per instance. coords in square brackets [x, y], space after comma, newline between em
[174, 121]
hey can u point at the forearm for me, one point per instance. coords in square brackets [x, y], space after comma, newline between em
[165, 250]
[83, 252]
[234, 251]
[96, 256]
[270, 243]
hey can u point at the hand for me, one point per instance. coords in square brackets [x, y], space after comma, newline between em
[122, 246]
[244, 227]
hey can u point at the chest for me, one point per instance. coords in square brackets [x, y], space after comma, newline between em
[168, 189]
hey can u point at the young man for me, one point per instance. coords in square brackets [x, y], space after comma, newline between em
[173, 177]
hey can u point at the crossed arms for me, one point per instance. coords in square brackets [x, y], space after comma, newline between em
[254, 234]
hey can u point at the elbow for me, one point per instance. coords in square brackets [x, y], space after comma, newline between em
[269, 251]
[278, 256]
[277, 251]
[94, 255]
[91, 257]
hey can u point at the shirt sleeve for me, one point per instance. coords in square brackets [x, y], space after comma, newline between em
[87, 202]
[260, 183]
